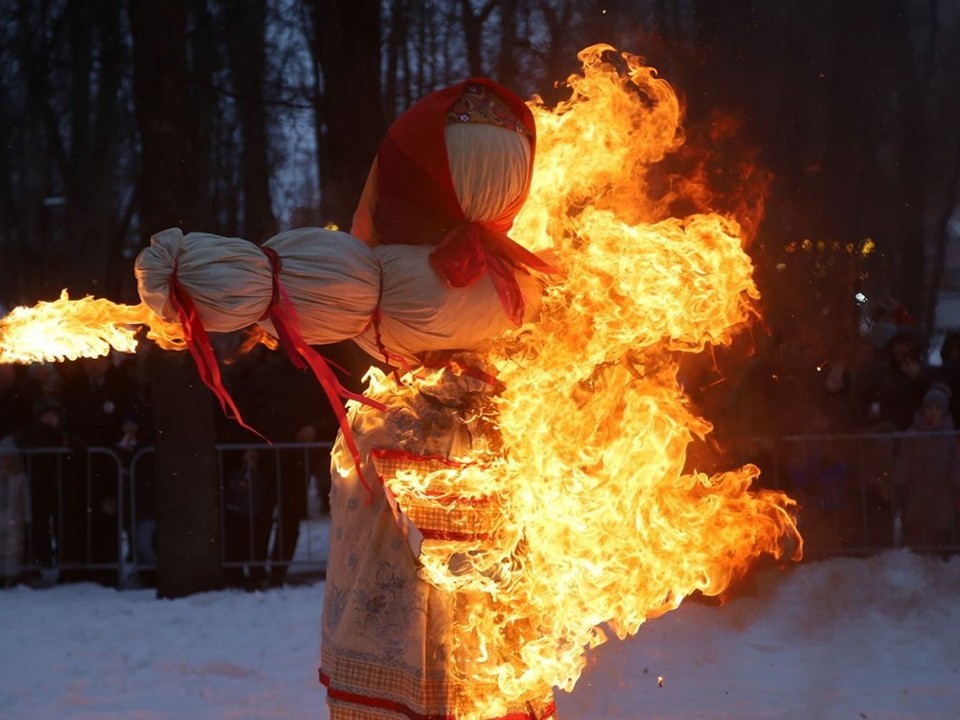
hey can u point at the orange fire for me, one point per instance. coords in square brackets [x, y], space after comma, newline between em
[598, 528]
[66, 329]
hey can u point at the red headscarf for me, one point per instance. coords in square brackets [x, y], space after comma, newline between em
[416, 202]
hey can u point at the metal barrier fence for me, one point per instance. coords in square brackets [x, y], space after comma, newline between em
[89, 514]
[72, 519]
[90, 517]
[268, 524]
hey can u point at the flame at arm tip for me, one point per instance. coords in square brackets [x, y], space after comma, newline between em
[66, 329]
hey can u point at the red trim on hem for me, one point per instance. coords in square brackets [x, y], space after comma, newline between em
[453, 536]
[398, 707]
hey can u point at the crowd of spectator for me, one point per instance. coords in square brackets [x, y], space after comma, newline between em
[861, 433]
[825, 425]
[71, 432]
[914, 479]
[72, 514]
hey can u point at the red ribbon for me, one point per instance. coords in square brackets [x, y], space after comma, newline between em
[472, 249]
[375, 319]
[198, 343]
[284, 318]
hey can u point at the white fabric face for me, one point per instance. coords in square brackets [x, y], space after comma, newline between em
[489, 166]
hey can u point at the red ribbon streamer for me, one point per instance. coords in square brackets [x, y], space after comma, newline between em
[284, 318]
[375, 319]
[471, 249]
[198, 342]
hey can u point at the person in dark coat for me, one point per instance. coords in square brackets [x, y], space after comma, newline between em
[140, 495]
[247, 521]
[95, 400]
[56, 480]
[895, 388]
[17, 395]
[949, 372]
[13, 512]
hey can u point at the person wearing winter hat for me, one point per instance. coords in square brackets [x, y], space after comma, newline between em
[935, 409]
[926, 475]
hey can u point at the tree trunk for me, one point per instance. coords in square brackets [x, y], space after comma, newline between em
[556, 57]
[246, 24]
[111, 190]
[472, 23]
[913, 79]
[507, 66]
[206, 117]
[941, 237]
[396, 55]
[347, 42]
[188, 537]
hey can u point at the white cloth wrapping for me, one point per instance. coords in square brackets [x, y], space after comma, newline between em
[228, 279]
[333, 282]
[332, 279]
[421, 312]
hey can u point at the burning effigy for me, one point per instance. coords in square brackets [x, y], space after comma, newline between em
[514, 492]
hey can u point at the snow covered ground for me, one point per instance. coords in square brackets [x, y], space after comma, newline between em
[875, 638]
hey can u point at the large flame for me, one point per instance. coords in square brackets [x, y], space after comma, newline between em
[66, 329]
[598, 525]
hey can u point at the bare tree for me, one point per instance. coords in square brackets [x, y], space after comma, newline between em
[68, 141]
[396, 52]
[346, 43]
[557, 49]
[943, 124]
[188, 538]
[472, 21]
[246, 24]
